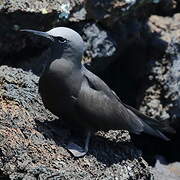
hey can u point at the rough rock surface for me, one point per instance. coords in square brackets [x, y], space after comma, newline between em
[44, 6]
[32, 141]
[164, 25]
[135, 45]
[43, 15]
[162, 96]
[112, 13]
[165, 171]
[99, 46]
[16, 15]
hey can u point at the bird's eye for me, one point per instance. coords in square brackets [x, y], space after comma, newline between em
[61, 39]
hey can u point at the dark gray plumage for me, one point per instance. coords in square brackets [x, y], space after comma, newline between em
[69, 90]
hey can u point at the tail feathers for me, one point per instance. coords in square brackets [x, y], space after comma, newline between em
[153, 126]
[154, 132]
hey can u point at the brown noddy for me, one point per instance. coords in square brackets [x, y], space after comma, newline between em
[69, 90]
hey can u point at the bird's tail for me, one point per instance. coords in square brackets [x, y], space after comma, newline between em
[153, 126]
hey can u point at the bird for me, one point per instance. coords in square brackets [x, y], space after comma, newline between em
[69, 90]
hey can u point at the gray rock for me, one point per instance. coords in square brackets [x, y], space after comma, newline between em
[165, 171]
[100, 46]
[172, 81]
[162, 97]
[32, 144]
[20, 14]
[99, 43]
[112, 12]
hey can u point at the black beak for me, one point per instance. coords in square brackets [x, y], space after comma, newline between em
[39, 33]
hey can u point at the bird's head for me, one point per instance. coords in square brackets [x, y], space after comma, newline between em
[66, 42]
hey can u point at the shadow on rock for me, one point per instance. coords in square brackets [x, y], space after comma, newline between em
[152, 146]
[107, 150]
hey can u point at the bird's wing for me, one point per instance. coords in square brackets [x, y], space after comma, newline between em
[98, 100]
[95, 82]
[102, 109]
[162, 125]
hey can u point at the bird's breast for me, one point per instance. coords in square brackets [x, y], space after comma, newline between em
[57, 85]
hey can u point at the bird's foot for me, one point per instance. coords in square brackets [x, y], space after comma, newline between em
[76, 150]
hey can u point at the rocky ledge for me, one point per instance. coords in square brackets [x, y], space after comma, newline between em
[32, 140]
[132, 45]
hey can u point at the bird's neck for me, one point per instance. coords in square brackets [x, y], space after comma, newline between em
[73, 59]
[72, 56]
